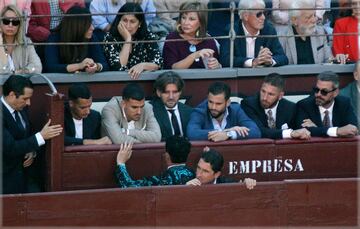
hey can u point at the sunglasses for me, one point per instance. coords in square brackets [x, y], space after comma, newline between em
[322, 91]
[259, 14]
[14, 22]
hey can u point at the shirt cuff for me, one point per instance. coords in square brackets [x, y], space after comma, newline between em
[248, 63]
[233, 134]
[39, 138]
[332, 132]
[121, 165]
[287, 133]
[273, 62]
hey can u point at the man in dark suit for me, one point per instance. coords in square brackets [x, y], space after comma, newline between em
[208, 170]
[82, 124]
[327, 113]
[19, 144]
[172, 115]
[254, 50]
[273, 114]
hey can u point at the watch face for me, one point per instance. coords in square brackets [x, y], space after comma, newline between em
[228, 134]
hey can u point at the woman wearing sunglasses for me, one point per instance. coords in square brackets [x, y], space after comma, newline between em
[88, 58]
[191, 52]
[15, 56]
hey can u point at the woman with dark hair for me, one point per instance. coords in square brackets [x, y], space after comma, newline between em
[129, 25]
[75, 58]
[191, 24]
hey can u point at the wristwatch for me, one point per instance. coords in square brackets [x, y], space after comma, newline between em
[228, 134]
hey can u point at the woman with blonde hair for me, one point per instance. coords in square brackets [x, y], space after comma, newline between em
[187, 53]
[17, 55]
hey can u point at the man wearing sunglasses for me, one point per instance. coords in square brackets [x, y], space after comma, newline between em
[326, 113]
[255, 50]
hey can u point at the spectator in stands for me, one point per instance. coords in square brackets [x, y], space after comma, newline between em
[352, 91]
[208, 170]
[254, 51]
[216, 119]
[75, 58]
[311, 47]
[129, 118]
[172, 115]
[177, 150]
[82, 124]
[19, 143]
[111, 7]
[134, 57]
[191, 52]
[326, 113]
[348, 44]
[273, 114]
[15, 56]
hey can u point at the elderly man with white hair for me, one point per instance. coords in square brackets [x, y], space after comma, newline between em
[254, 50]
[304, 42]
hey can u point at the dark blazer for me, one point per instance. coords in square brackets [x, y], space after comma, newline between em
[223, 180]
[162, 117]
[91, 127]
[16, 143]
[240, 47]
[285, 114]
[343, 114]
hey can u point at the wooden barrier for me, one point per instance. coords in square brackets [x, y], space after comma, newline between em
[324, 202]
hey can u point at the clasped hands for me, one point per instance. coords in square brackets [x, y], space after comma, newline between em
[264, 58]
[221, 135]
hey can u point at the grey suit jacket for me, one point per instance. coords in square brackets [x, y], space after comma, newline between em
[113, 122]
[320, 47]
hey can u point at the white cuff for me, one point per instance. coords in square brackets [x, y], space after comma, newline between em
[233, 134]
[332, 132]
[248, 63]
[287, 133]
[39, 138]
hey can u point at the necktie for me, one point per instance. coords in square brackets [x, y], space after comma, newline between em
[18, 120]
[326, 120]
[174, 123]
[271, 120]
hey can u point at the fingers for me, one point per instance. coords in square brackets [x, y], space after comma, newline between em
[206, 149]
[250, 183]
[194, 182]
[28, 162]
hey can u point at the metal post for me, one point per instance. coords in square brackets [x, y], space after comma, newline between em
[232, 33]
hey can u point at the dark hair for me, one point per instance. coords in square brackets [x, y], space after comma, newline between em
[168, 77]
[133, 9]
[215, 159]
[276, 80]
[78, 90]
[218, 87]
[329, 76]
[197, 7]
[133, 91]
[73, 29]
[17, 84]
[178, 148]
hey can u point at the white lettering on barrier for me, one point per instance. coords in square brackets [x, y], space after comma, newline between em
[265, 166]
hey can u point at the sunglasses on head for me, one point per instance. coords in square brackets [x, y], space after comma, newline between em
[14, 22]
[260, 13]
[322, 91]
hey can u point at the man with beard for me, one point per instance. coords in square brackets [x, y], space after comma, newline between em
[273, 114]
[304, 42]
[327, 113]
[217, 119]
[129, 118]
[171, 115]
[255, 50]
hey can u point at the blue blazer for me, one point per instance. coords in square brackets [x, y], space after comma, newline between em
[240, 47]
[200, 123]
[16, 143]
[285, 114]
[343, 114]
[91, 127]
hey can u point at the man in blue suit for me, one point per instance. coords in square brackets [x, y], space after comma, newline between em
[254, 50]
[273, 114]
[19, 144]
[217, 119]
[326, 113]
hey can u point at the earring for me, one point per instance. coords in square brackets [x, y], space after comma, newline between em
[178, 28]
[197, 34]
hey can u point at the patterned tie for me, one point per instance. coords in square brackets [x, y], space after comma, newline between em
[18, 120]
[326, 120]
[271, 120]
[174, 123]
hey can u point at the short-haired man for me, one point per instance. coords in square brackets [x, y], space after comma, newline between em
[217, 119]
[208, 170]
[326, 113]
[273, 114]
[254, 50]
[177, 151]
[171, 115]
[19, 145]
[82, 124]
[129, 118]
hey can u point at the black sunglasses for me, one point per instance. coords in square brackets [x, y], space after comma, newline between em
[260, 13]
[14, 22]
[322, 91]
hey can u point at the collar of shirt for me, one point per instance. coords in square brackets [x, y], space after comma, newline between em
[131, 124]
[217, 125]
[273, 110]
[182, 164]
[174, 108]
[250, 42]
[330, 109]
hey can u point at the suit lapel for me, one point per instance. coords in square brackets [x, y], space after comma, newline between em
[242, 41]
[317, 117]
[292, 45]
